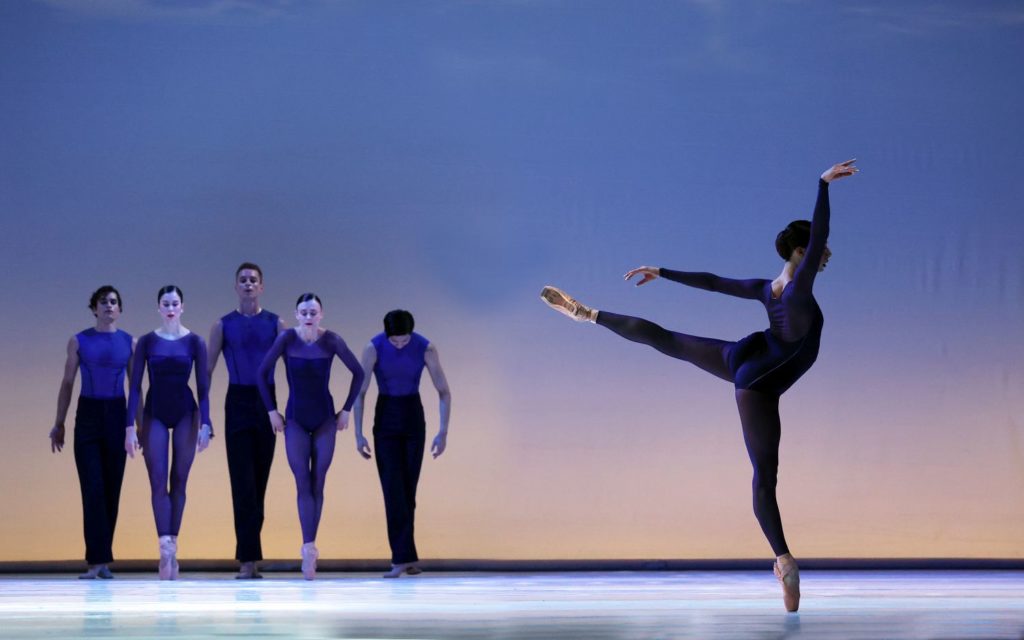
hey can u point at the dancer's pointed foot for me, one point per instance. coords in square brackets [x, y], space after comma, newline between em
[789, 577]
[168, 551]
[567, 305]
[248, 572]
[309, 556]
[408, 568]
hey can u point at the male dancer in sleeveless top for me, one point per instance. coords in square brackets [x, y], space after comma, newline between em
[103, 354]
[245, 335]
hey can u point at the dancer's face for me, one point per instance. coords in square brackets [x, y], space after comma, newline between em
[248, 284]
[108, 308]
[825, 257]
[399, 342]
[170, 306]
[309, 314]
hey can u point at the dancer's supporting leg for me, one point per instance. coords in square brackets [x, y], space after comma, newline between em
[309, 457]
[762, 431]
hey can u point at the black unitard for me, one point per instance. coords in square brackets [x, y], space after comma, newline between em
[762, 365]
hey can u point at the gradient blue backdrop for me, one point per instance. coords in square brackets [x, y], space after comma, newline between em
[452, 157]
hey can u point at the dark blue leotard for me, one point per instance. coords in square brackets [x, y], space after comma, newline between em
[169, 362]
[308, 366]
[762, 365]
[772, 360]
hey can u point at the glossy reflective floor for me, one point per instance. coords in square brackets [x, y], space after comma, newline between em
[706, 605]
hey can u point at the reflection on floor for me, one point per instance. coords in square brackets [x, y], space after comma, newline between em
[627, 605]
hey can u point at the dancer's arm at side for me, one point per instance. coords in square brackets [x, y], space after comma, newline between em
[266, 371]
[749, 289]
[131, 438]
[214, 345]
[369, 361]
[67, 383]
[433, 362]
[201, 357]
[349, 359]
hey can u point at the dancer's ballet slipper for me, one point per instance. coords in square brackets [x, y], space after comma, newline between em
[408, 568]
[567, 305]
[92, 573]
[309, 556]
[789, 577]
[167, 552]
[248, 572]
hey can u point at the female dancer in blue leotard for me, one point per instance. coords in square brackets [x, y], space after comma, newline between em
[170, 353]
[103, 354]
[310, 424]
[397, 358]
[762, 365]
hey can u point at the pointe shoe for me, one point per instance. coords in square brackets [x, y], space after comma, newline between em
[174, 558]
[168, 550]
[563, 303]
[408, 568]
[248, 572]
[789, 578]
[309, 556]
[104, 573]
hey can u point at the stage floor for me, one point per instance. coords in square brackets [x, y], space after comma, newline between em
[584, 605]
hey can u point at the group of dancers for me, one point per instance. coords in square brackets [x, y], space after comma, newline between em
[761, 366]
[170, 427]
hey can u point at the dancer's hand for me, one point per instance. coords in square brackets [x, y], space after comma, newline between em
[649, 273]
[131, 442]
[57, 438]
[276, 421]
[205, 433]
[840, 170]
[440, 442]
[362, 446]
[342, 420]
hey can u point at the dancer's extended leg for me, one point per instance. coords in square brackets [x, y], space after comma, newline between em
[709, 354]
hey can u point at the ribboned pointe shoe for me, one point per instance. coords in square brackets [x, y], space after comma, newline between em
[789, 578]
[167, 552]
[309, 557]
[174, 558]
[565, 304]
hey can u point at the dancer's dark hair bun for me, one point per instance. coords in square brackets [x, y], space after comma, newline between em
[796, 234]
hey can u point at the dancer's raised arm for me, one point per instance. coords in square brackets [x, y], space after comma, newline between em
[803, 277]
[701, 280]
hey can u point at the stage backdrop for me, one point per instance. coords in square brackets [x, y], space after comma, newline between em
[452, 158]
